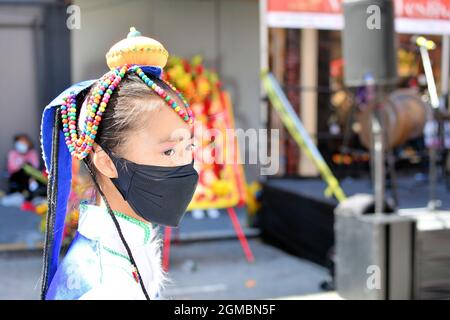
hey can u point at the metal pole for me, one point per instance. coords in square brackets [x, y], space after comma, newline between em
[378, 159]
[432, 91]
[445, 69]
[375, 101]
[424, 46]
[263, 65]
[445, 74]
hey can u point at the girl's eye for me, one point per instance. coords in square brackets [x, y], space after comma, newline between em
[169, 152]
[191, 146]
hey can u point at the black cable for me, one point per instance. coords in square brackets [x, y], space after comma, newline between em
[119, 230]
[52, 193]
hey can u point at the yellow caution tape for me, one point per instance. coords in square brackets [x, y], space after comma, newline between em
[35, 173]
[295, 127]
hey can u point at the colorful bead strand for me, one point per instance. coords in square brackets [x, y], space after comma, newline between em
[186, 114]
[186, 104]
[80, 146]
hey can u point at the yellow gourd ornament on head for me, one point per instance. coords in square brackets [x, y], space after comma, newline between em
[129, 51]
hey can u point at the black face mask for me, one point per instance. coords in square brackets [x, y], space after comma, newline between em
[158, 194]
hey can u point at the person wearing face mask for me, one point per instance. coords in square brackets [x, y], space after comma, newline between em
[133, 131]
[22, 154]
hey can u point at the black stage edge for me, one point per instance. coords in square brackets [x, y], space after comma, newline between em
[297, 217]
[295, 221]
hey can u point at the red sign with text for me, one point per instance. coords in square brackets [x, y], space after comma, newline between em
[431, 15]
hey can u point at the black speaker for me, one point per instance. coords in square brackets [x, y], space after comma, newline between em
[369, 42]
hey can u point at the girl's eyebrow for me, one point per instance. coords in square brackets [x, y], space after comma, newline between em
[181, 138]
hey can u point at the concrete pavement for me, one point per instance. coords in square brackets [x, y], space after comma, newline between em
[199, 270]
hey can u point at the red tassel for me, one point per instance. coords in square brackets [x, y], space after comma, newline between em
[135, 275]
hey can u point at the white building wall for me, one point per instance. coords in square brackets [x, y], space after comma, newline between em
[19, 109]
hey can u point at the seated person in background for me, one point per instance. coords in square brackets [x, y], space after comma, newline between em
[22, 154]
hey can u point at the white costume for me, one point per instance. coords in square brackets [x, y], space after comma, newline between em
[97, 265]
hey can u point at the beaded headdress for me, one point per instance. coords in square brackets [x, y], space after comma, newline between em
[63, 138]
[129, 55]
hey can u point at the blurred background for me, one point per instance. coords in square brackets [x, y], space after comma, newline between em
[339, 218]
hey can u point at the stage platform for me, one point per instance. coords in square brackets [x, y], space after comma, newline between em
[296, 215]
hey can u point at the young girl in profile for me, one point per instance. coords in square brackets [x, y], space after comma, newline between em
[133, 131]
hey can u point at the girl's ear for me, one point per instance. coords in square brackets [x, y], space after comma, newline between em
[103, 163]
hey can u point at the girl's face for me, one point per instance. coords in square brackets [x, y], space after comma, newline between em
[164, 140]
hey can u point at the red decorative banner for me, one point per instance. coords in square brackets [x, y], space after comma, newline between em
[412, 16]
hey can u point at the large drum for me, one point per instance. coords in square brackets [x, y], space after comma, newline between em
[404, 115]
